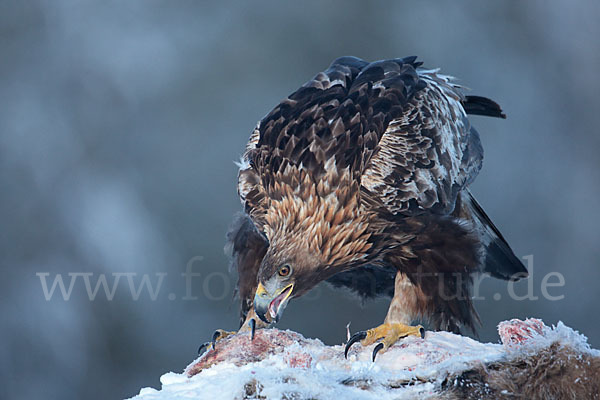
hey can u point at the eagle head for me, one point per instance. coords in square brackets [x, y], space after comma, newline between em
[285, 272]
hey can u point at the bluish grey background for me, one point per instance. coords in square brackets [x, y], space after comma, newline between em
[120, 122]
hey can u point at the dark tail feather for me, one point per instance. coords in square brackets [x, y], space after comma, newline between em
[500, 261]
[478, 105]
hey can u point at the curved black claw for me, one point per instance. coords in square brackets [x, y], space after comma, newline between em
[203, 347]
[422, 332]
[358, 336]
[252, 323]
[215, 336]
[376, 350]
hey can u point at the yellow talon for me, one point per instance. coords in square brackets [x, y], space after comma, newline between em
[388, 333]
[391, 333]
[220, 334]
[250, 325]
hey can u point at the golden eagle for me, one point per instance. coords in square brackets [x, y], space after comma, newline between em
[360, 178]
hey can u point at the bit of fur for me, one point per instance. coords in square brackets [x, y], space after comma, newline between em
[557, 372]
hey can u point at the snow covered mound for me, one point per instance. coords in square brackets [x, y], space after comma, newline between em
[283, 364]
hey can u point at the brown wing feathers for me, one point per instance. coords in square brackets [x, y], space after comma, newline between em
[427, 155]
[340, 114]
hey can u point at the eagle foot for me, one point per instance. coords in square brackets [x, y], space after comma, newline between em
[218, 335]
[387, 334]
[221, 334]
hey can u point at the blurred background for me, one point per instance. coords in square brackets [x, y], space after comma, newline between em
[120, 123]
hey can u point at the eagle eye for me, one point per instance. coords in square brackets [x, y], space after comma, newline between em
[284, 270]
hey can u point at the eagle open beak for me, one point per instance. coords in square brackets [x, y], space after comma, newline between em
[269, 307]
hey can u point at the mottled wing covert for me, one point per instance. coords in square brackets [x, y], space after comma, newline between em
[428, 154]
